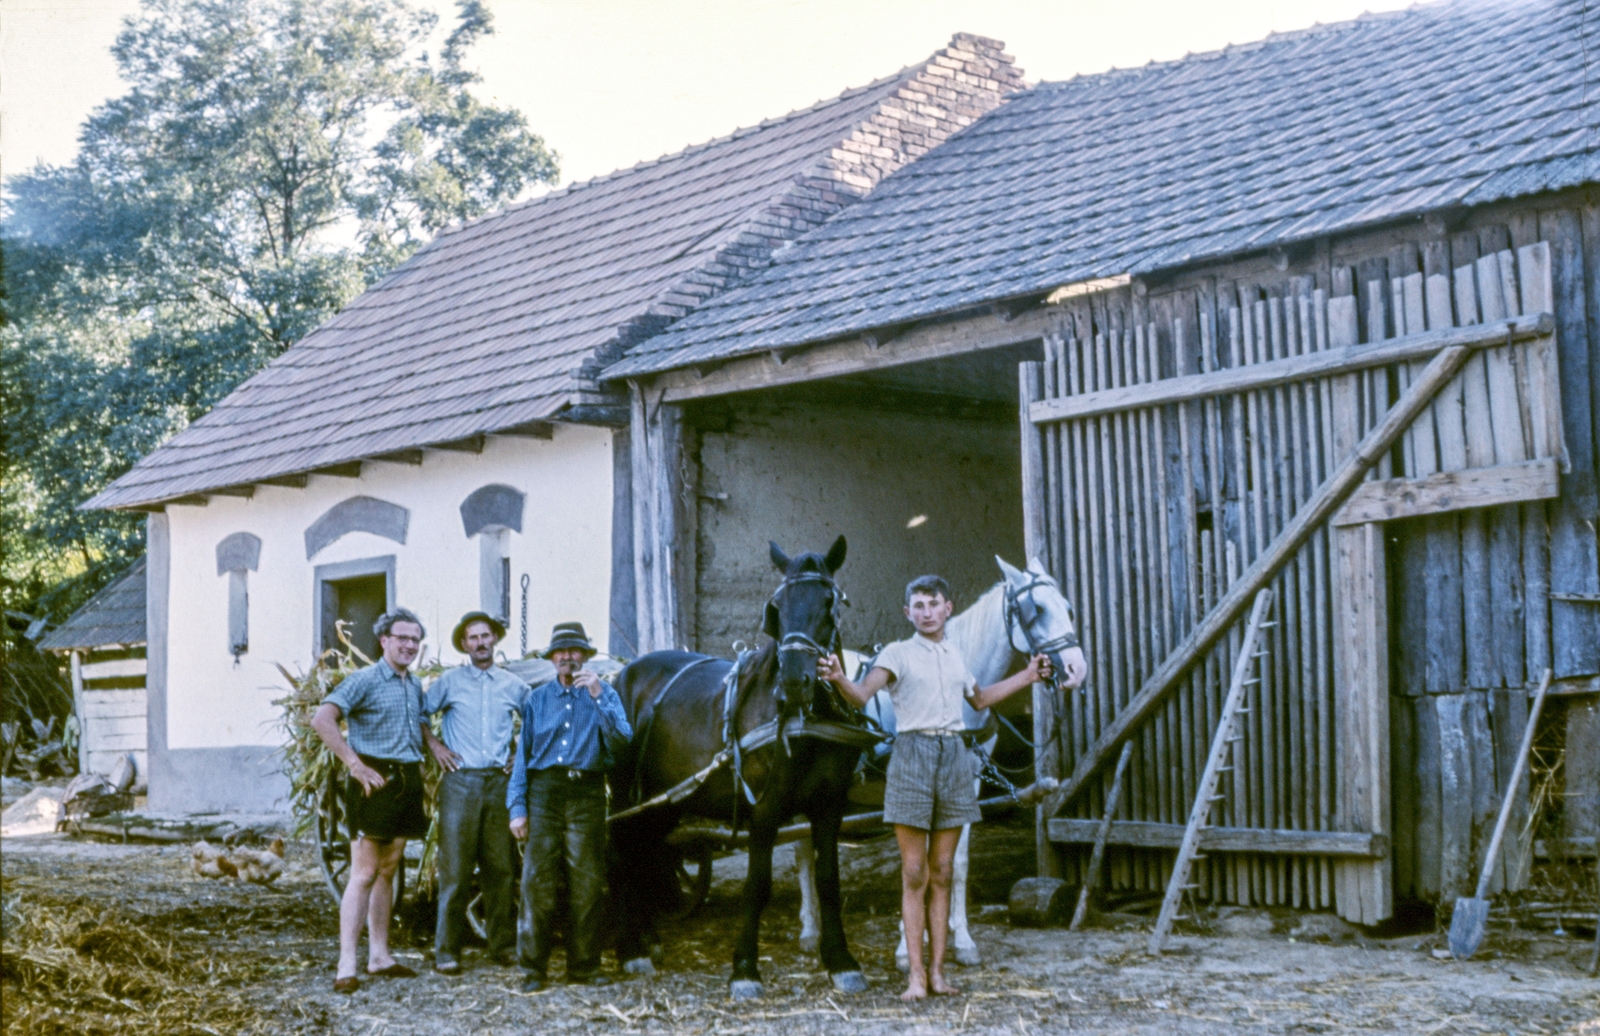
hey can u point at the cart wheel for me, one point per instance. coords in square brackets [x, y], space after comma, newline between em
[475, 918]
[333, 843]
[694, 880]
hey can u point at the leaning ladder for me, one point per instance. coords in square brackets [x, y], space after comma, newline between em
[1216, 764]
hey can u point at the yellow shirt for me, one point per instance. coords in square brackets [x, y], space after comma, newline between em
[928, 680]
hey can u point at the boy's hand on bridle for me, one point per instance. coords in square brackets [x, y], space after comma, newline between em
[1040, 668]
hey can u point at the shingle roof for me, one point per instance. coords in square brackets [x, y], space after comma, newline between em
[1133, 171]
[115, 615]
[505, 320]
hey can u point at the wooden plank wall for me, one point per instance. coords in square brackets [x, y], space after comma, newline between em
[1150, 514]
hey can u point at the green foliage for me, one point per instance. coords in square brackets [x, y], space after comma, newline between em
[270, 159]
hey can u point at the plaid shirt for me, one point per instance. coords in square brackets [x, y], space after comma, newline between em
[382, 712]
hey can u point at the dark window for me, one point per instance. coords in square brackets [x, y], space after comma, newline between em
[358, 601]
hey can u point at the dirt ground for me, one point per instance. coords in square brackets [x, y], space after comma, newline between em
[238, 958]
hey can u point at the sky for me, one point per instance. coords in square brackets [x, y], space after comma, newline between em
[610, 83]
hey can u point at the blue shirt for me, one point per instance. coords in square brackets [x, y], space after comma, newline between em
[382, 712]
[564, 726]
[479, 706]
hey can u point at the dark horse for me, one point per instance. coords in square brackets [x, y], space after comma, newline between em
[677, 704]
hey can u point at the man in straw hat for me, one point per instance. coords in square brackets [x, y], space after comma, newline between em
[480, 702]
[572, 727]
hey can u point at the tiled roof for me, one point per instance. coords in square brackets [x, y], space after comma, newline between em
[505, 320]
[115, 615]
[1133, 171]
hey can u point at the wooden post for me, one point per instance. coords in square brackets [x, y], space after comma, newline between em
[1046, 761]
[77, 707]
[656, 457]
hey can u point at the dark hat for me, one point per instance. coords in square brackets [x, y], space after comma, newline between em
[568, 635]
[460, 635]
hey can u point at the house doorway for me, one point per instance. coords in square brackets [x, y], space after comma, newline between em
[356, 593]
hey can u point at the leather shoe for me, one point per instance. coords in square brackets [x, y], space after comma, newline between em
[532, 982]
[348, 984]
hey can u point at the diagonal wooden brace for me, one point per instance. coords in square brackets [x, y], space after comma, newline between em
[1329, 497]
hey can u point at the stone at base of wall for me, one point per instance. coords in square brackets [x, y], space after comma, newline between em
[241, 778]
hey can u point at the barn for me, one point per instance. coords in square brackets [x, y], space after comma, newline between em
[1318, 315]
[443, 443]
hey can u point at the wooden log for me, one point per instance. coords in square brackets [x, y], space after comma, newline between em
[1328, 498]
[1037, 902]
[1144, 834]
[1348, 359]
[1091, 880]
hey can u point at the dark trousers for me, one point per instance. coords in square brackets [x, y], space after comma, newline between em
[566, 836]
[475, 830]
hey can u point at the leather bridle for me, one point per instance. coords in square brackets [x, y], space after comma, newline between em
[1021, 611]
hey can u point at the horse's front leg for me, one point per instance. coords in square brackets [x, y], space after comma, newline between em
[805, 859]
[842, 967]
[746, 982]
[966, 950]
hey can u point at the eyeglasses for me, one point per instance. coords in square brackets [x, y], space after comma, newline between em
[403, 640]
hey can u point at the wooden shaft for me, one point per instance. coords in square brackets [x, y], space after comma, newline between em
[1511, 787]
[1097, 857]
[1316, 511]
[1201, 811]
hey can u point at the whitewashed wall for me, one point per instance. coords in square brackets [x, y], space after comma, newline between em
[565, 546]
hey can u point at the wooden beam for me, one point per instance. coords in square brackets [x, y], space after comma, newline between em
[1451, 491]
[531, 430]
[291, 481]
[1324, 364]
[348, 469]
[412, 457]
[246, 491]
[1146, 834]
[853, 356]
[471, 444]
[194, 500]
[1317, 510]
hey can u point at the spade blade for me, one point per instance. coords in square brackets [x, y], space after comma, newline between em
[1466, 926]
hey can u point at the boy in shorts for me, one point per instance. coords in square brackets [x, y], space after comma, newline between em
[930, 795]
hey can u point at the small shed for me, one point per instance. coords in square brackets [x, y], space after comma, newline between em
[105, 645]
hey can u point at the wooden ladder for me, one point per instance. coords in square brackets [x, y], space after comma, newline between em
[1216, 765]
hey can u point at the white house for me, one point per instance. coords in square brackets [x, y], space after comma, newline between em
[443, 442]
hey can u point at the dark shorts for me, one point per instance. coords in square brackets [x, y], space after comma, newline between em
[394, 810]
[931, 782]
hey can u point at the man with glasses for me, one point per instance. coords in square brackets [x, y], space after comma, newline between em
[382, 709]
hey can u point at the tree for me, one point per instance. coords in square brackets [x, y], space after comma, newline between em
[270, 159]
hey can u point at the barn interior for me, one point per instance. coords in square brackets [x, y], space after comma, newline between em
[917, 466]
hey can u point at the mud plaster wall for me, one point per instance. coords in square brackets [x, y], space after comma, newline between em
[801, 475]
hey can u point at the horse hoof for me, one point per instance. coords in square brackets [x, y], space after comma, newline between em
[968, 956]
[744, 989]
[903, 963]
[850, 982]
[808, 943]
[640, 966]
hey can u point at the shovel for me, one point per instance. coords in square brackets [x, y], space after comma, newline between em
[1467, 923]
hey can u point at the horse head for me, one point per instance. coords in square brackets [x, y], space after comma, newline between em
[1039, 620]
[803, 617]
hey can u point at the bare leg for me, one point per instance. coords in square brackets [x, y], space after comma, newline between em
[353, 907]
[913, 904]
[380, 903]
[941, 850]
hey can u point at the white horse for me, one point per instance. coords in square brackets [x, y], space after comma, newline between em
[1023, 614]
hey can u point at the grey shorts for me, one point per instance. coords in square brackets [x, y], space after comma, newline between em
[931, 782]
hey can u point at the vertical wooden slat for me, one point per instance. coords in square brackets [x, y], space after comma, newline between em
[1034, 492]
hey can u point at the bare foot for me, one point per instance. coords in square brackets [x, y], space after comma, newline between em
[941, 987]
[916, 989]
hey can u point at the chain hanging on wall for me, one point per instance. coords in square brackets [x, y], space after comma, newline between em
[525, 581]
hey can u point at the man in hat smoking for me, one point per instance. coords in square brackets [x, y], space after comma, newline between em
[479, 701]
[572, 727]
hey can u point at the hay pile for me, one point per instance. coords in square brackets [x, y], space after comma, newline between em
[66, 967]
